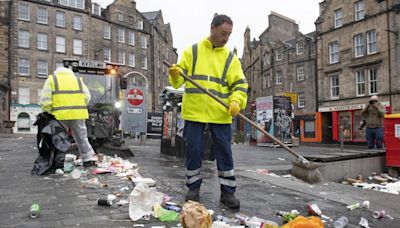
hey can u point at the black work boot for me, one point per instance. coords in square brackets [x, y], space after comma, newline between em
[229, 200]
[193, 194]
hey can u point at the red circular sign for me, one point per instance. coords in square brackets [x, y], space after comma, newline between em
[135, 97]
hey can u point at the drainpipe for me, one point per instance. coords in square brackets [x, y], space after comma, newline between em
[389, 52]
[10, 58]
[316, 73]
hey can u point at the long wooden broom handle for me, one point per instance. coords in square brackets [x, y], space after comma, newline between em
[242, 116]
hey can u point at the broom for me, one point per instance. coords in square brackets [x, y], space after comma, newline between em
[302, 168]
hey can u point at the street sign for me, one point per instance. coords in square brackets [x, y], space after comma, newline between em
[293, 97]
[135, 97]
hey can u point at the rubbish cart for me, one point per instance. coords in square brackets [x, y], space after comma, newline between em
[172, 141]
[392, 142]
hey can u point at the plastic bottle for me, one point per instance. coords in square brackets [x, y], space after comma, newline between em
[68, 164]
[341, 222]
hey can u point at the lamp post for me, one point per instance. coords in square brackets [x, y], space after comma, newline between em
[133, 74]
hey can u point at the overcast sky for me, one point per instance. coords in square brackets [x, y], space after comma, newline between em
[190, 19]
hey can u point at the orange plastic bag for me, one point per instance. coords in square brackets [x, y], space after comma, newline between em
[302, 222]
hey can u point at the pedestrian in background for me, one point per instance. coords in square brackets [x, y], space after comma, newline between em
[373, 114]
[219, 71]
[66, 97]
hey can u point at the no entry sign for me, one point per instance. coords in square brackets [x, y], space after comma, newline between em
[135, 97]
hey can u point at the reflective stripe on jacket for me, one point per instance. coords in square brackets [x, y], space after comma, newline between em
[219, 71]
[68, 98]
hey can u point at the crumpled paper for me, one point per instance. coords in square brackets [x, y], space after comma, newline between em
[141, 201]
[195, 215]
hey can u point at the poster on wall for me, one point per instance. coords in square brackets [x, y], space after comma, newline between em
[264, 116]
[282, 118]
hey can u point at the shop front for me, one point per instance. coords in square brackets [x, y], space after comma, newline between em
[345, 122]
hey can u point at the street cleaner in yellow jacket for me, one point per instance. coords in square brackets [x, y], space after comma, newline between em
[219, 71]
[66, 97]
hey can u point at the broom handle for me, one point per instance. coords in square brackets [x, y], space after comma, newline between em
[242, 116]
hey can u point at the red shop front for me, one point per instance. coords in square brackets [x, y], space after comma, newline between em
[347, 119]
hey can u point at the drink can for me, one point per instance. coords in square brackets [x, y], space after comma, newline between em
[172, 208]
[378, 214]
[341, 222]
[104, 202]
[241, 217]
[34, 210]
[353, 206]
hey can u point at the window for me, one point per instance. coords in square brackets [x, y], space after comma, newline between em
[77, 22]
[144, 62]
[60, 64]
[333, 53]
[23, 11]
[42, 16]
[358, 45]
[359, 10]
[131, 60]
[80, 4]
[60, 19]
[143, 42]
[299, 47]
[334, 86]
[60, 44]
[301, 100]
[300, 73]
[139, 24]
[338, 18]
[120, 17]
[373, 81]
[42, 68]
[23, 66]
[77, 47]
[121, 36]
[107, 54]
[24, 95]
[42, 41]
[371, 42]
[309, 128]
[279, 78]
[360, 83]
[107, 32]
[131, 38]
[39, 93]
[278, 54]
[23, 39]
[121, 57]
[96, 9]
[269, 79]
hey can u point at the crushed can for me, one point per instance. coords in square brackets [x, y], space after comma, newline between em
[104, 202]
[172, 208]
[313, 209]
[378, 214]
[341, 222]
[34, 211]
[242, 218]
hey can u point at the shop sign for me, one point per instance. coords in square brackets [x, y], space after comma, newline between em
[341, 108]
[293, 97]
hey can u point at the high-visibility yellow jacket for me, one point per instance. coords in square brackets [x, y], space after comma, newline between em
[219, 71]
[65, 96]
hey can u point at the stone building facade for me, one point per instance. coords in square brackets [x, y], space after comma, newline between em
[282, 63]
[44, 32]
[5, 90]
[358, 53]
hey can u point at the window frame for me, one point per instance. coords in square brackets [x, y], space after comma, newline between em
[77, 26]
[39, 41]
[123, 57]
[360, 83]
[57, 44]
[20, 13]
[23, 42]
[76, 47]
[375, 81]
[143, 42]
[279, 82]
[121, 37]
[131, 38]
[107, 53]
[131, 59]
[359, 45]
[298, 75]
[338, 21]
[27, 66]
[38, 69]
[38, 16]
[144, 63]
[299, 48]
[334, 87]
[107, 32]
[332, 54]
[60, 13]
[373, 43]
[24, 96]
[279, 54]
[301, 100]
[359, 13]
